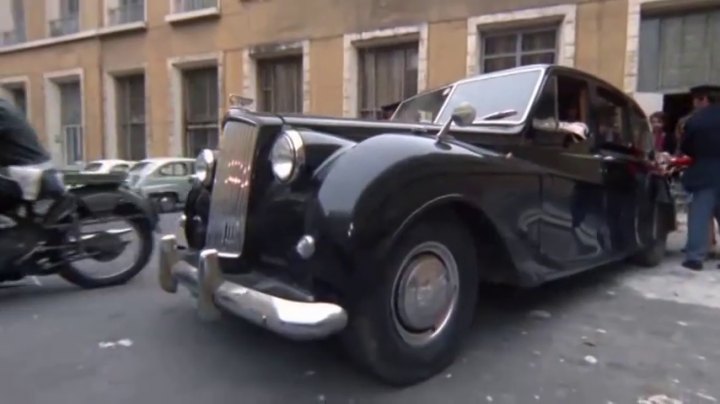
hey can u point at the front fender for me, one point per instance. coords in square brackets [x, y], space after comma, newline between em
[99, 199]
[372, 188]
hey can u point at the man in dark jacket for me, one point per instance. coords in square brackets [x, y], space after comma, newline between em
[19, 146]
[701, 141]
[19, 143]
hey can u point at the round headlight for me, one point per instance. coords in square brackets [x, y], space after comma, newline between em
[287, 156]
[204, 166]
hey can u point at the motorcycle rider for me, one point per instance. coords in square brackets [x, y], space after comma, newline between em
[21, 147]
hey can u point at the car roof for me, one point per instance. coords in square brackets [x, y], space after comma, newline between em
[159, 160]
[109, 161]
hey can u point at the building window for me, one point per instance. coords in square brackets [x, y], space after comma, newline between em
[388, 74]
[201, 110]
[131, 117]
[185, 6]
[12, 22]
[679, 51]
[65, 19]
[19, 98]
[71, 122]
[505, 50]
[280, 84]
[125, 11]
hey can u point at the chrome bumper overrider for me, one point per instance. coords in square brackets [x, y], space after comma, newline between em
[292, 319]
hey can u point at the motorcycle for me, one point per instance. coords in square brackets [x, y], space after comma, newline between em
[46, 226]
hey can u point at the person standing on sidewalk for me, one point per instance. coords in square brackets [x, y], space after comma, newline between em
[701, 142]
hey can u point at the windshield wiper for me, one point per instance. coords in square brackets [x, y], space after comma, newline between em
[499, 115]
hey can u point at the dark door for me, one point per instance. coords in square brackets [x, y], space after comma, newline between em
[572, 217]
[626, 175]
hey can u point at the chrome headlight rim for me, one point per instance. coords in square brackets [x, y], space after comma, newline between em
[297, 148]
[204, 166]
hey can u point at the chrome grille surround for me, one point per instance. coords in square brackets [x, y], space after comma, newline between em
[231, 189]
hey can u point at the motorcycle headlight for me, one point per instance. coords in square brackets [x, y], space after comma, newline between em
[204, 165]
[287, 156]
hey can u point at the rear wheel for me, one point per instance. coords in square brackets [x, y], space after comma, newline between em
[654, 253]
[112, 258]
[410, 315]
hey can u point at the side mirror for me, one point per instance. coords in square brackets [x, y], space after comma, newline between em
[463, 115]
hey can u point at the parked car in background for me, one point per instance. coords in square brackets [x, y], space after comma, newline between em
[107, 166]
[381, 231]
[165, 181]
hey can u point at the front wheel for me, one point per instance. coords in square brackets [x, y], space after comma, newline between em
[113, 250]
[411, 313]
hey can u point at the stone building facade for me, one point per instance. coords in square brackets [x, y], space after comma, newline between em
[136, 78]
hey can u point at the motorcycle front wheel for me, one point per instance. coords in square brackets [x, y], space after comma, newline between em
[99, 253]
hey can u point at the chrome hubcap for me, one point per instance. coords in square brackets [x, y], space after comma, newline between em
[425, 293]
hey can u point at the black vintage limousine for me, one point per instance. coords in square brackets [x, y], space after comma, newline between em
[380, 231]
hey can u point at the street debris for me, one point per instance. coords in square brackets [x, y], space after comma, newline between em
[659, 399]
[589, 343]
[610, 293]
[541, 314]
[489, 399]
[707, 397]
[125, 342]
[591, 360]
[682, 324]
[600, 331]
[321, 398]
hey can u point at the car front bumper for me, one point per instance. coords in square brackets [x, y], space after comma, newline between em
[293, 319]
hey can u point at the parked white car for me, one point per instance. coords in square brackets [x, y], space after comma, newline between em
[165, 180]
[107, 166]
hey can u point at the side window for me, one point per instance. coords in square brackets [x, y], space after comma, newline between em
[640, 129]
[168, 170]
[180, 170]
[546, 107]
[610, 113]
[573, 100]
[120, 168]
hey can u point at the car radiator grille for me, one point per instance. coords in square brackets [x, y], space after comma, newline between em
[231, 190]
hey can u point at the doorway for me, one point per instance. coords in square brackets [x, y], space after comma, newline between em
[675, 106]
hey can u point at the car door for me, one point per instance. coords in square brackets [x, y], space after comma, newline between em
[572, 185]
[625, 164]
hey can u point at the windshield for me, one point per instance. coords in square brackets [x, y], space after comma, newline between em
[496, 98]
[422, 108]
[137, 168]
[93, 167]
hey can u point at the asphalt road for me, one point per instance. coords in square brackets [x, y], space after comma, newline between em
[618, 335]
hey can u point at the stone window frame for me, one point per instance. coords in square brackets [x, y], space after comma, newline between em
[7, 84]
[106, 17]
[250, 57]
[351, 75]
[53, 123]
[176, 67]
[565, 15]
[110, 141]
[632, 47]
